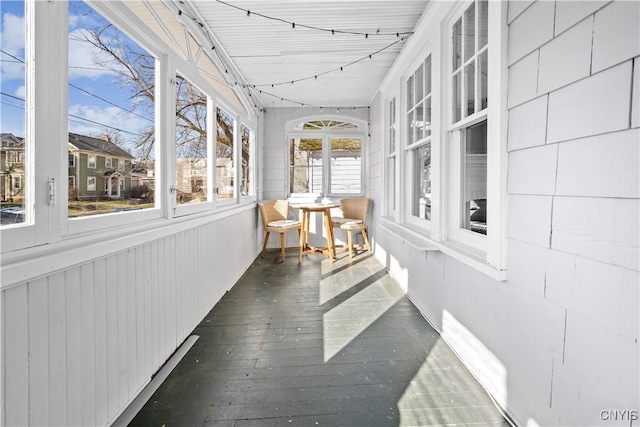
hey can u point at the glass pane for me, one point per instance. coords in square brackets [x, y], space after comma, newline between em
[457, 93]
[421, 201]
[427, 117]
[392, 126]
[391, 180]
[419, 113]
[225, 170]
[305, 163]
[427, 76]
[483, 20]
[346, 165]
[191, 143]
[469, 32]
[410, 93]
[13, 189]
[111, 116]
[411, 134]
[482, 79]
[419, 79]
[474, 179]
[246, 185]
[457, 44]
[470, 78]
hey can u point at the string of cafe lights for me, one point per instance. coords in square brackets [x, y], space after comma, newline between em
[293, 25]
[302, 104]
[402, 36]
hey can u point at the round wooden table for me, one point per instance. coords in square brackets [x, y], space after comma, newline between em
[305, 219]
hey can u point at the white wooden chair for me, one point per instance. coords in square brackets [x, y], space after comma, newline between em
[275, 219]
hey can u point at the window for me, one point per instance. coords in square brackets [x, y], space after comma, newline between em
[391, 157]
[418, 125]
[469, 122]
[111, 111]
[113, 71]
[247, 141]
[322, 143]
[225, 171]
[14, 97]
[191, 143]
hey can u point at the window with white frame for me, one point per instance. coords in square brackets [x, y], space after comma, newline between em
[392, 134]
[191, 146]
[111, 104]
[468, 125]
[418, 149]
[318, 143]
[101, 100]
[225, 141]
[247, 177]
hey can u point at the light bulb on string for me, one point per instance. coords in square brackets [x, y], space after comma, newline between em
[248, 14]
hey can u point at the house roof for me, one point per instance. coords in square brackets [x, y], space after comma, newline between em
[97, 145]
[9, 140]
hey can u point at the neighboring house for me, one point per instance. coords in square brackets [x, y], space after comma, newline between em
[191, 175]
[11, 167]
[98, 168]
[143, 175]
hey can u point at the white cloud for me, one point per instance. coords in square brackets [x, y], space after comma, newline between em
[110, 116]
[12, 42]
[84, 57]
[21, 92]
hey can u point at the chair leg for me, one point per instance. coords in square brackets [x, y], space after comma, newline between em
[266, 241]
[366, 239]
[300, 244]
[282, 245]
[350, 243]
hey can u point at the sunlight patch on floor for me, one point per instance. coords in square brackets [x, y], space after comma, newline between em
[345, 322]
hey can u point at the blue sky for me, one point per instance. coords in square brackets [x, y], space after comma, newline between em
[94, 81]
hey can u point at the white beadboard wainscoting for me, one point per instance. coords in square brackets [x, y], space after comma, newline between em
[79, 344]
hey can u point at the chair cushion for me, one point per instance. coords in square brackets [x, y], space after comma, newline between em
[340, 221]
[283, 223]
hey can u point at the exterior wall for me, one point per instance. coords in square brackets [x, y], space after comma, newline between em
[86, 339]
[557, 342]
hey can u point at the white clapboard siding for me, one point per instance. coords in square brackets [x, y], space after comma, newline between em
[78, 345]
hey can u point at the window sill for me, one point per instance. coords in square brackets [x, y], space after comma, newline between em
[418, 241]
[465, 254]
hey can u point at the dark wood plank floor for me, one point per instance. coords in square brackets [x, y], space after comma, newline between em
[318, 344]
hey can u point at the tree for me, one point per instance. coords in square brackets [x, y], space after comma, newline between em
[135, 69]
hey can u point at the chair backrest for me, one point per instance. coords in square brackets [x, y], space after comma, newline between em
[273, 210]
[355, 208]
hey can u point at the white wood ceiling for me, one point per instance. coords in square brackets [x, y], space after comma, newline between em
[267, 51]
